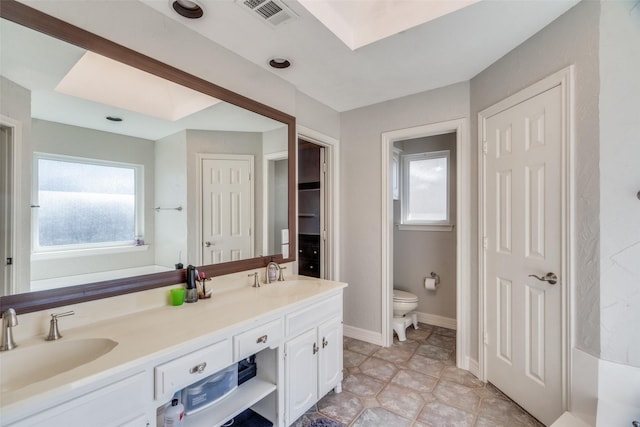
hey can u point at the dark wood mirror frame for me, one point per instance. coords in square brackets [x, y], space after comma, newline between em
[46, 24]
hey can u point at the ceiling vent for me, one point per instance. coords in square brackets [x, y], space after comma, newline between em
[273, 12]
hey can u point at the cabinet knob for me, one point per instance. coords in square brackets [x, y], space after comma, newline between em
[198, 369]
[324, 342]
[315, 348]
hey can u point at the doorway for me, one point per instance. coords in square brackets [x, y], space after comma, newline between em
[311, 209]
[461, 230]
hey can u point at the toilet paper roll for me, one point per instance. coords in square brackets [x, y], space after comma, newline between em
[430, 284]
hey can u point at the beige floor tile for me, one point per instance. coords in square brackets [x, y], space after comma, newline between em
[378, 368]
[420, 363]
[362, 385]
[416, 381]
[343, 407]
[456, 395]
[351, 359]
[401, 400]
[362, 347]
[380, 417]
[438, 414]
[460, 376]
[434, 352]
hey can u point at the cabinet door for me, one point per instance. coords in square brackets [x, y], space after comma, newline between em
[330, 357]
[301, 371]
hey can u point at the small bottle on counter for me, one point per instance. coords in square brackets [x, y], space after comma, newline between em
[174, 414]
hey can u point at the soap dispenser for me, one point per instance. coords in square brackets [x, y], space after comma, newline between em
[272, 271]
[192, 290]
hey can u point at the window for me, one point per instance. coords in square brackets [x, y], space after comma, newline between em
[425, 188]
[85, 203]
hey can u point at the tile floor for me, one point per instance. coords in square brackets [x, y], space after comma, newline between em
[413, 383]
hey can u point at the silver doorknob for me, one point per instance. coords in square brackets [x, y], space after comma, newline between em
[207, 244]
[549, 277]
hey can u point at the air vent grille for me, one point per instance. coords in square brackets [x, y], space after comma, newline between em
[273, 12]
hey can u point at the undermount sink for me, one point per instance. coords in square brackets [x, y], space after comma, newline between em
[24, 366]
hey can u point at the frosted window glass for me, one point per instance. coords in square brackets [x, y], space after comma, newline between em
[84, 203]
[428, 190]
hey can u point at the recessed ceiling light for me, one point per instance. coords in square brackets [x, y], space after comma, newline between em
[280, 63]
[114, 118]
[187, 8]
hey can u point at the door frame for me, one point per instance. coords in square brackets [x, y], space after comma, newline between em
[18, 242]
[565, 79]
[462, 228]
[331, 197]
[211, 156]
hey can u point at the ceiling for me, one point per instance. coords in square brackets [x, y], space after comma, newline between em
[405, 56]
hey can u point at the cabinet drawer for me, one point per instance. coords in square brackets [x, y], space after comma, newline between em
[257, 339]
[311, 316]
[175, 375]
[117, 404]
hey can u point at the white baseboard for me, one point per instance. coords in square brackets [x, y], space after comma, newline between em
[473, 367]
[435, 320]
[363, 335]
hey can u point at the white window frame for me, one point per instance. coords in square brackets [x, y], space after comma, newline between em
[419, 224]
[39, 252]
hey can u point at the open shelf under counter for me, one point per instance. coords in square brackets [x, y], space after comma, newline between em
[245, 396]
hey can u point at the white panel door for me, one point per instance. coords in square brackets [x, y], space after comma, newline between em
[227, 209]
[523, 236]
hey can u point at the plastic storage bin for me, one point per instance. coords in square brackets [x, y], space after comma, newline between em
[209, 390]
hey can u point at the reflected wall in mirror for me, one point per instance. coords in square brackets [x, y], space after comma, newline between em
[130, 173]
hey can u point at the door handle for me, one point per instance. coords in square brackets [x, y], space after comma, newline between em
[549, 277]
[208, 244]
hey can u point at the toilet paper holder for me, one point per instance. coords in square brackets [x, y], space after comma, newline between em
[435, 276]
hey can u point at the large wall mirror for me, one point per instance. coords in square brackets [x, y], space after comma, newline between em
[130, 169]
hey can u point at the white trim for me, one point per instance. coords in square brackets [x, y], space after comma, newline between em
[474, 368]
[362, 335]
[463, 221]
[563, 78]
[209, 156]
[18, 199]
[270, 157]
[405, 227]
[86, 251]
[332, 155]
[435, 320]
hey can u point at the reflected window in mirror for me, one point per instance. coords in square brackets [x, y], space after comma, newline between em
[86, 204]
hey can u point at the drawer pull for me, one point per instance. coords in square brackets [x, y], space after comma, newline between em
[198, 369]
[262, 339]
[315, 348]
[324, 342]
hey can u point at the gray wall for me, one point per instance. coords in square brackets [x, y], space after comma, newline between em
[361, 190]
[417, 253]
[619, 182]
[56, 138]
[570, 39]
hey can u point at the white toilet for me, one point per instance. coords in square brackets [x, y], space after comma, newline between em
[403, 304]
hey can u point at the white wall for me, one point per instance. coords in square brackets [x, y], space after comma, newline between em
[361, 182]
[417, 253]
[56, 138]
[620, 182]
[570, 39]
[16, 106]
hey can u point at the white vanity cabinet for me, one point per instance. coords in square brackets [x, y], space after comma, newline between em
[313, 355]
[122, 403]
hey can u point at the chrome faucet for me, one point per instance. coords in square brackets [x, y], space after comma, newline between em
[271, 274]
[9, 320]
[54, 332]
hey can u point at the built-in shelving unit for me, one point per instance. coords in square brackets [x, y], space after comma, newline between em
[242, 398]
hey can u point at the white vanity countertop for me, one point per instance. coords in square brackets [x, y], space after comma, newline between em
[156, 333]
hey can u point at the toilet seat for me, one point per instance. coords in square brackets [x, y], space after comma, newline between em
[403, 296]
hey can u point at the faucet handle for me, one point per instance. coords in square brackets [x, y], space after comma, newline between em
[256, 280]
[54, 332]
[10, 317]
[281, 275]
